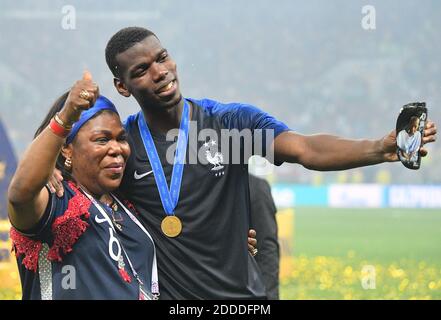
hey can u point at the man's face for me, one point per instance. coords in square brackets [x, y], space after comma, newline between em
[149, 74]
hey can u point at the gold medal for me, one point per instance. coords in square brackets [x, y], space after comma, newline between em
[171, 226]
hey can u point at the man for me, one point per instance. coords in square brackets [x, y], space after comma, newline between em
[201, 237]
[263, 220]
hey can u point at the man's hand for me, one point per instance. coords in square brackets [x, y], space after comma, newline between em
[389, 142]
[54, 183]
[252, 242]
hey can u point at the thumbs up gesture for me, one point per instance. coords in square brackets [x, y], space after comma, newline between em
[81, 97]
[87, 75]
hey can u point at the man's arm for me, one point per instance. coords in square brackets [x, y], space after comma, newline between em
[326, 152]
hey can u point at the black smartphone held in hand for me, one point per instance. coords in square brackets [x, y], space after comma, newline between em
[410, 132]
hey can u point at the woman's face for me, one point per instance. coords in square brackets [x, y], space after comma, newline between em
[99, 154]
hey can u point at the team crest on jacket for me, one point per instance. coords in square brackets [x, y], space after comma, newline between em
[214, 158]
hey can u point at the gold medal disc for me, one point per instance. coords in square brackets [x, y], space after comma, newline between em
[171, 226]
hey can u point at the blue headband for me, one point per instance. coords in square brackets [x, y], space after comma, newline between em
[102, 103]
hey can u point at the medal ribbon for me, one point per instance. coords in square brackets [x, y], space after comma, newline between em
[155, 283]
[169, 198]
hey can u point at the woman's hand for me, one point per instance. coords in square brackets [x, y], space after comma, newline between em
[81, 97]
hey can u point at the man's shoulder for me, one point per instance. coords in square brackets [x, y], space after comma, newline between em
[209, 107]
[214, 107]
[130, 121]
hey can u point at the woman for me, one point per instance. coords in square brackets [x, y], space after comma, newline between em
[88, 244]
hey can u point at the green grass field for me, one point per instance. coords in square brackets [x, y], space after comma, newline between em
[331, 246]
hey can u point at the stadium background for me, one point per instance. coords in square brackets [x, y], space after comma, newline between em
[372, 233]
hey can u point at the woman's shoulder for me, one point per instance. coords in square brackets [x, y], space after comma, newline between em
[66, 219]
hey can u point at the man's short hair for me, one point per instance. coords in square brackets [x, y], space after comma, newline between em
[121, 41]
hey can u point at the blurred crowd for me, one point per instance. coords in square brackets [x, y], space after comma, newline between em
[312, 65]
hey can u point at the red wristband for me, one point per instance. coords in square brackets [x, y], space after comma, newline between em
[58, 129]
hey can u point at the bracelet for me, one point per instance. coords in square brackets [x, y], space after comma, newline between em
[61, 122]
[58, 129]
